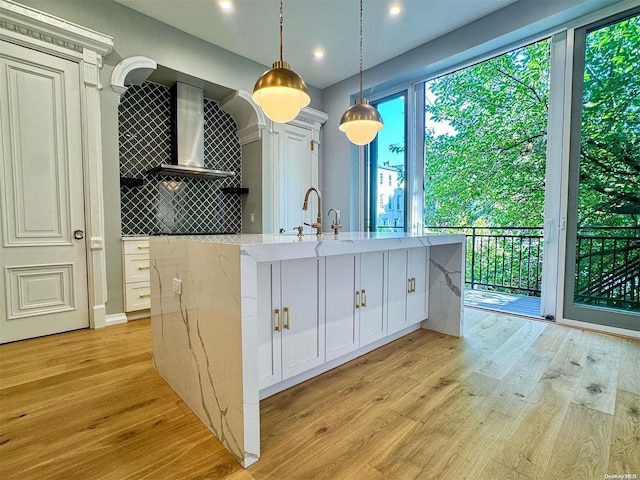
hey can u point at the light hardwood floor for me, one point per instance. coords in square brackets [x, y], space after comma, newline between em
[512, 399]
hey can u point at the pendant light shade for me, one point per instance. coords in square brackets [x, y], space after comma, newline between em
[281, 92]
[361, 122]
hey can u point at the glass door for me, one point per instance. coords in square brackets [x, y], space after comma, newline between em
[602, 281]
[388, 166]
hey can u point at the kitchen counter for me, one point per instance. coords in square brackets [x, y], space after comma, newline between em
[236, 318]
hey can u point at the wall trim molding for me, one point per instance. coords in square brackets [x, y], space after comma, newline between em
[48, 34]
[123, 74]
[26, 25]
[115, 319]
[248, 115]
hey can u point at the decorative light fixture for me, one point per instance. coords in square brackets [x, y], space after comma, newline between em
[281, 92]
[361, 122]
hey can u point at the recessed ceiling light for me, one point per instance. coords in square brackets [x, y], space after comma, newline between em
[318, 54]
[394, 10]
[226, 5]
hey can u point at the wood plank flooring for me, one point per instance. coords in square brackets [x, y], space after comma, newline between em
[512, 399]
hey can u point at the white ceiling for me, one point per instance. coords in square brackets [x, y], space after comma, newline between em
[251, 29]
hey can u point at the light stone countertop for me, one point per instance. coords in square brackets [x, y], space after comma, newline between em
[274, 247]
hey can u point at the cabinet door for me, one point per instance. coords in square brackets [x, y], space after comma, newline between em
[341, 326]
[269, 325]
[397, 291]
[303, 326]
[418, 270]
[295, 170]
[372, 320]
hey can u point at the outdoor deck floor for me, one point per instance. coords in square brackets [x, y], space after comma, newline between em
[503, 302]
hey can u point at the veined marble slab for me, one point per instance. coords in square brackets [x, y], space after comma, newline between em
[205, 340]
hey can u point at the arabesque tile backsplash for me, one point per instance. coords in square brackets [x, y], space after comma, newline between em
[166, 204]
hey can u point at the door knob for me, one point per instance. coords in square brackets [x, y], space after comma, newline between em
[78, 234]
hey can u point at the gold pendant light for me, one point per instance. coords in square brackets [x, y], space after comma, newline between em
[361, 122]
[281, 92]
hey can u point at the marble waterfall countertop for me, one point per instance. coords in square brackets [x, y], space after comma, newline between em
[274, 247]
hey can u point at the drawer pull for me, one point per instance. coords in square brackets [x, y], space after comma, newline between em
[143, 247]
[364, 298]
[278, 320]
[287, 323]
[357, 299]
[144, 295]
[144, 268]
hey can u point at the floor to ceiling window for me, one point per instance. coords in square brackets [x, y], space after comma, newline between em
[602, 282]
[388, 166]
[485, 162]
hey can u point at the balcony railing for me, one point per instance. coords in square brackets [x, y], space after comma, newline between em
[608, 267]
[506, 259]
[509, 259]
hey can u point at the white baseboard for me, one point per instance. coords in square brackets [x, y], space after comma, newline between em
[115, 319]
[138, 314]
[594, 327]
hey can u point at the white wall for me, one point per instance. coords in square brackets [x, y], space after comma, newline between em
[521, 20]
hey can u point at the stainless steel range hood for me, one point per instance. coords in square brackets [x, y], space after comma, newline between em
[187, 136]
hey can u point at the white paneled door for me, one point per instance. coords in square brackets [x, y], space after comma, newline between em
[43, 256]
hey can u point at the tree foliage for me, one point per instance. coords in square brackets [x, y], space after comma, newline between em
[610, 143]
[491, 169]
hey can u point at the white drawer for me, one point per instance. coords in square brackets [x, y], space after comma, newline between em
[136, 246]
[137, 296]
[136, 268]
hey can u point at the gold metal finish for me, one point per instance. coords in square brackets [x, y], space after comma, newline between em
[281, 92]
[409, 288]
[144, 295]
[143, 247]
[278, 320]
[357, 299]
[318, 223]
[144, 268]
[287, 318]
[361, 122]
[364, 298]
[413, 284]
[336, 224]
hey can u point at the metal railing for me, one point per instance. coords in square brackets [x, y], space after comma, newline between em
[509, 259]
[608, 267]
[506, 259]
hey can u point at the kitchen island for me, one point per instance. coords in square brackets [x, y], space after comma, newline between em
[236, 318]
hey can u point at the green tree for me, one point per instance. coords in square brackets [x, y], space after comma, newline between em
[610, 143]
[492, 170]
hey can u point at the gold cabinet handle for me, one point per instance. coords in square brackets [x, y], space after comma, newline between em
[278, 320]
[364, 298]
[413, 285]
[287, 318]
[144, 295]
[357, 299]
[144, 268]
[143, 247]
[409, 289]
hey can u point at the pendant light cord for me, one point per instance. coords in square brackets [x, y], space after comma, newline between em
[281, 58]
[360, 48]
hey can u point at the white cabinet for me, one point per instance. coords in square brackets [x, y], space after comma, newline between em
[291, 319]
[408, 271]
[295, 170]
[354, 300]
[373, 321]
[135, 265]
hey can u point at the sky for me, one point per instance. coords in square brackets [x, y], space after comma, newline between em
[392, 111]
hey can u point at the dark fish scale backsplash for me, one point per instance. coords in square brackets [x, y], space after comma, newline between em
[166, 204]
